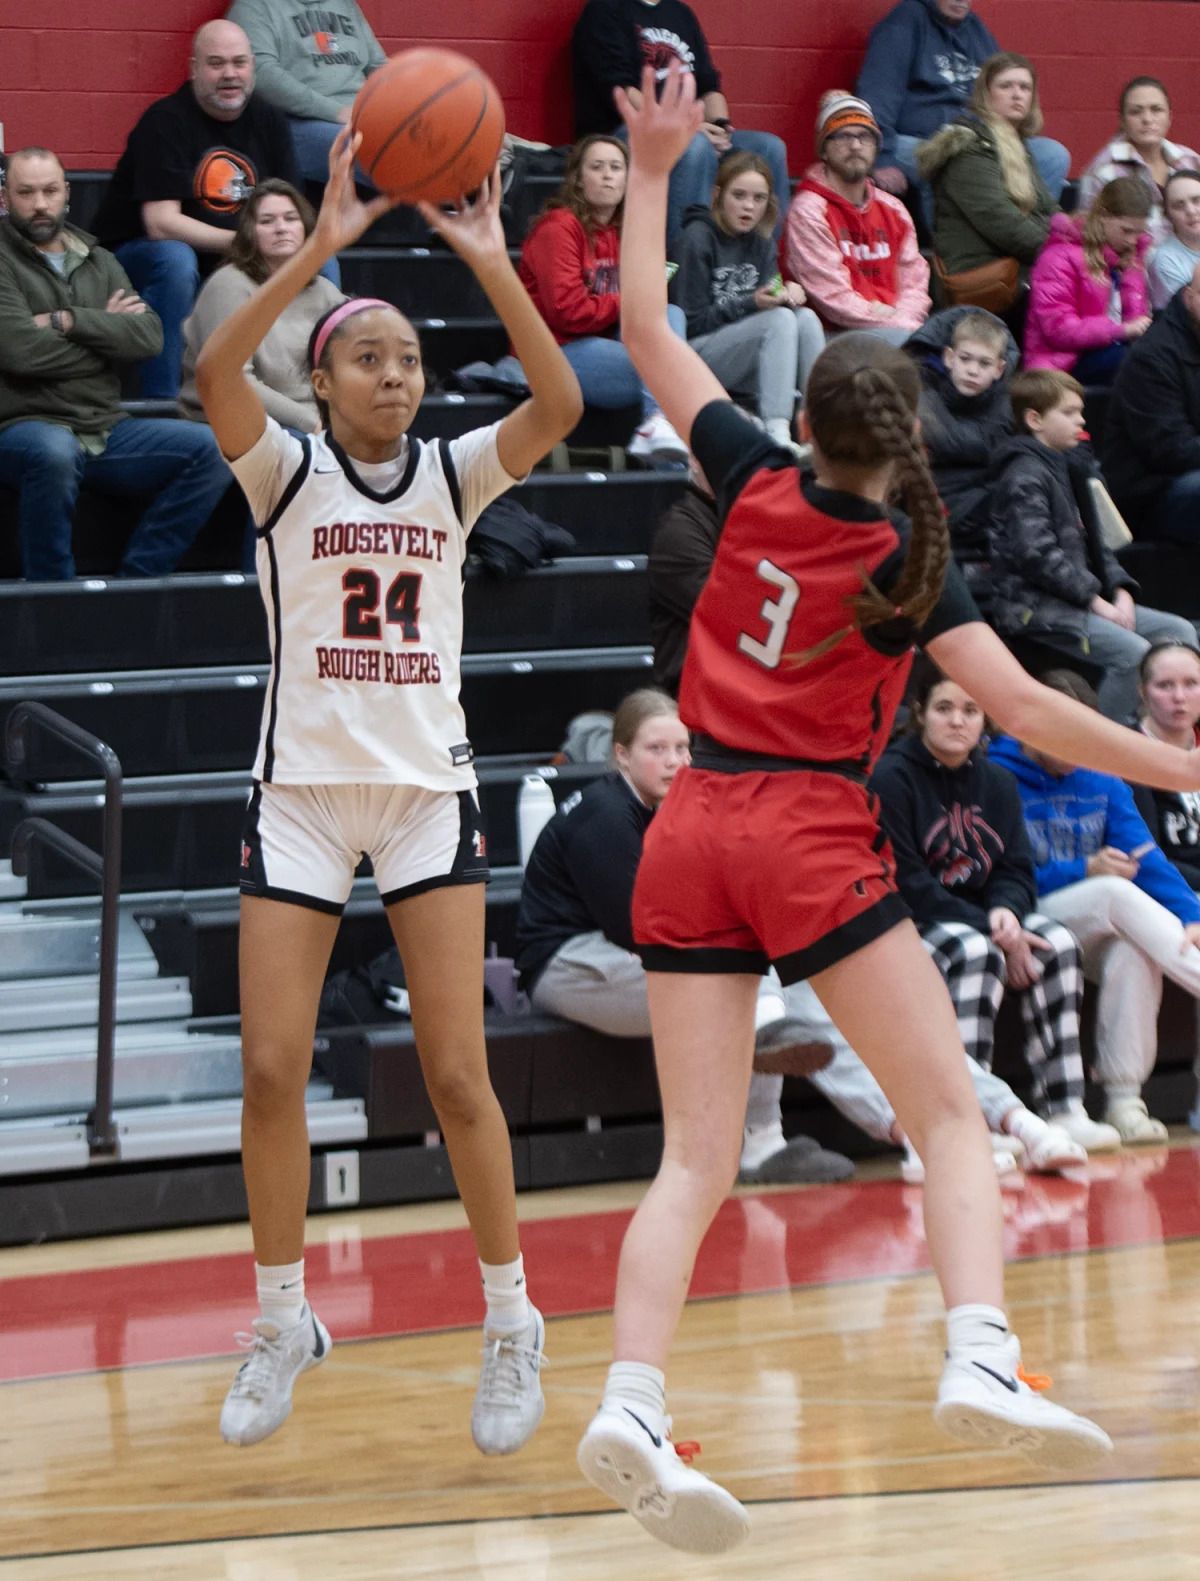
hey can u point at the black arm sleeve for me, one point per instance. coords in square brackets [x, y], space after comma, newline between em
[731, 449]
[602, 859]
[1013, 881]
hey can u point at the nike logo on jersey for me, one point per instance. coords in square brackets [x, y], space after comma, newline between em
[1009, 1383]
[321, 471]
[653, 1437]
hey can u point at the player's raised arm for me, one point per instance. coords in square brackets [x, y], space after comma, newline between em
[231, 404]
[555, 404]
[659, 131]
[974, 656]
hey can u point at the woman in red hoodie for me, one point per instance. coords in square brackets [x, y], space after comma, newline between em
[570, 265]
[1089, 295]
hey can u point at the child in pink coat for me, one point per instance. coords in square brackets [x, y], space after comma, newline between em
[1089, 295]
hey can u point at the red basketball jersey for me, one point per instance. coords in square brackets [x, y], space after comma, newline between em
[791, 556]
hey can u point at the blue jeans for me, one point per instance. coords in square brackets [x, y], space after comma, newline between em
[696, 170]
[1178, 516]
[1051, 160]
[177, 464]
[607, 378]
[167, 276]
[311, 142]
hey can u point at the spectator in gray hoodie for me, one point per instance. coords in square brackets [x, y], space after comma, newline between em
[751, 327]
[310, 60]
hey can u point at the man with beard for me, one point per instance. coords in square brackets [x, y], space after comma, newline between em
[852, 247]
[68, 319]
[176, 195]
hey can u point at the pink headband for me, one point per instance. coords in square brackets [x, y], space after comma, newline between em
[356, 304]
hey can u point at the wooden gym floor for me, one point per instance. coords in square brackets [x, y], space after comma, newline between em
[806, 1366]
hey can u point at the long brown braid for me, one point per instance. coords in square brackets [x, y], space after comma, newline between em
[862, 402]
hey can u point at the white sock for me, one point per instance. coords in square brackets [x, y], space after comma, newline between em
[636, 1384]
[762, 1103]
[281, 1292]
[975, 1327]
[768, 1007]
[1028, 1128]
[506, 1296]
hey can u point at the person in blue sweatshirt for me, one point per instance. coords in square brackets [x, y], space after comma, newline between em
[921, 63]
[1101, 874]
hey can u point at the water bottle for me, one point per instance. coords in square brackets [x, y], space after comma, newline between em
[535, 808]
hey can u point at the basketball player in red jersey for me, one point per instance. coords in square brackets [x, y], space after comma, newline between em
[362, 539]
[767, 850]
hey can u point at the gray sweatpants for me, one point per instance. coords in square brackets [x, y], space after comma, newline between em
[596, 983]
[768, 354]
[1129, 943]
[1120, 652]
[852, 1089]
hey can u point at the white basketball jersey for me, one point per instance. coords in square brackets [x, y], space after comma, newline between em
[363, 592]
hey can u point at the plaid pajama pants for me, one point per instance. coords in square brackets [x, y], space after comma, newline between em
[974, 971]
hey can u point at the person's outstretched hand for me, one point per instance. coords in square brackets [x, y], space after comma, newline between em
[473, 228]
[660, 129]
[344, 216]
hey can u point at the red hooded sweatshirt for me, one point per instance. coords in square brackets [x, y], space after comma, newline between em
[573, 276]
[846, 257]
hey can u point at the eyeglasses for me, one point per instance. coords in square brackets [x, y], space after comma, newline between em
[863, 136]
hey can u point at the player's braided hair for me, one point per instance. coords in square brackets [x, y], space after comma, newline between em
[862, 404]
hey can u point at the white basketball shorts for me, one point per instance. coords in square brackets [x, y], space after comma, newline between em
[302, 843]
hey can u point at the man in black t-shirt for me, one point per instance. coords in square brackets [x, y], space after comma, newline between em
[190, 163]
[613, 41]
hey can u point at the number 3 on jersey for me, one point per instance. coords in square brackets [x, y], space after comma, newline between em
[401, 607]
[777, 612]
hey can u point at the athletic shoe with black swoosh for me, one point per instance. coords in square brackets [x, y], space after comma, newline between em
[260, 1399]
[987, 1399]
[628, 1454]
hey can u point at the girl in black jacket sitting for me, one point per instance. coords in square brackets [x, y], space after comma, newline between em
[965, 869]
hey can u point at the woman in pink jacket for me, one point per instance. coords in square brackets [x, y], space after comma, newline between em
[1089, 295]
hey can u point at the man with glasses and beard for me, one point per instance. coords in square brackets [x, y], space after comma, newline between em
[851, 246]
[68, 319]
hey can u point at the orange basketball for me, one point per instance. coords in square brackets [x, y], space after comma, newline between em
[431, 124]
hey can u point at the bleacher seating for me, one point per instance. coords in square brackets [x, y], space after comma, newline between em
[171, 673]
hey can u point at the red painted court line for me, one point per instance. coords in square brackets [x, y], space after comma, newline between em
[139, 1315]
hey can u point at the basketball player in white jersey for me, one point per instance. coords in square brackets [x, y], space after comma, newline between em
[362, 536]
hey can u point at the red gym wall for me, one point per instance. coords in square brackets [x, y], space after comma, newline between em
[78, 79]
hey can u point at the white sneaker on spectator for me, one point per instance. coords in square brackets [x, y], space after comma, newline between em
[986, 1399]
[1056, 1149]
[912, 1170]
[1133, 1124]
[629, 1456]
[1092, 1135]
[260, 1399]
[656, 440]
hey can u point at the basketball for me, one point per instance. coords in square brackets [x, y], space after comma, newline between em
[431, 124]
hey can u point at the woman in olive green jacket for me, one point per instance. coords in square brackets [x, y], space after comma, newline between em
[989, 201]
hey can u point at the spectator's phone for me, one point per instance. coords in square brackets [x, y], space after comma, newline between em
[775, 285]
[1141, 851]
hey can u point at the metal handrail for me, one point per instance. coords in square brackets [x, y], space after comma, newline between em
[106, 868]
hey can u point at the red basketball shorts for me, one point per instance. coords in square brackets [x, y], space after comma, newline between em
[745, 870]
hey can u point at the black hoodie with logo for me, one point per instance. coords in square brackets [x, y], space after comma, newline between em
[958, 835]
[718, 272]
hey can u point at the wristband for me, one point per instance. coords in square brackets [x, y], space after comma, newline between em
[56, 321]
